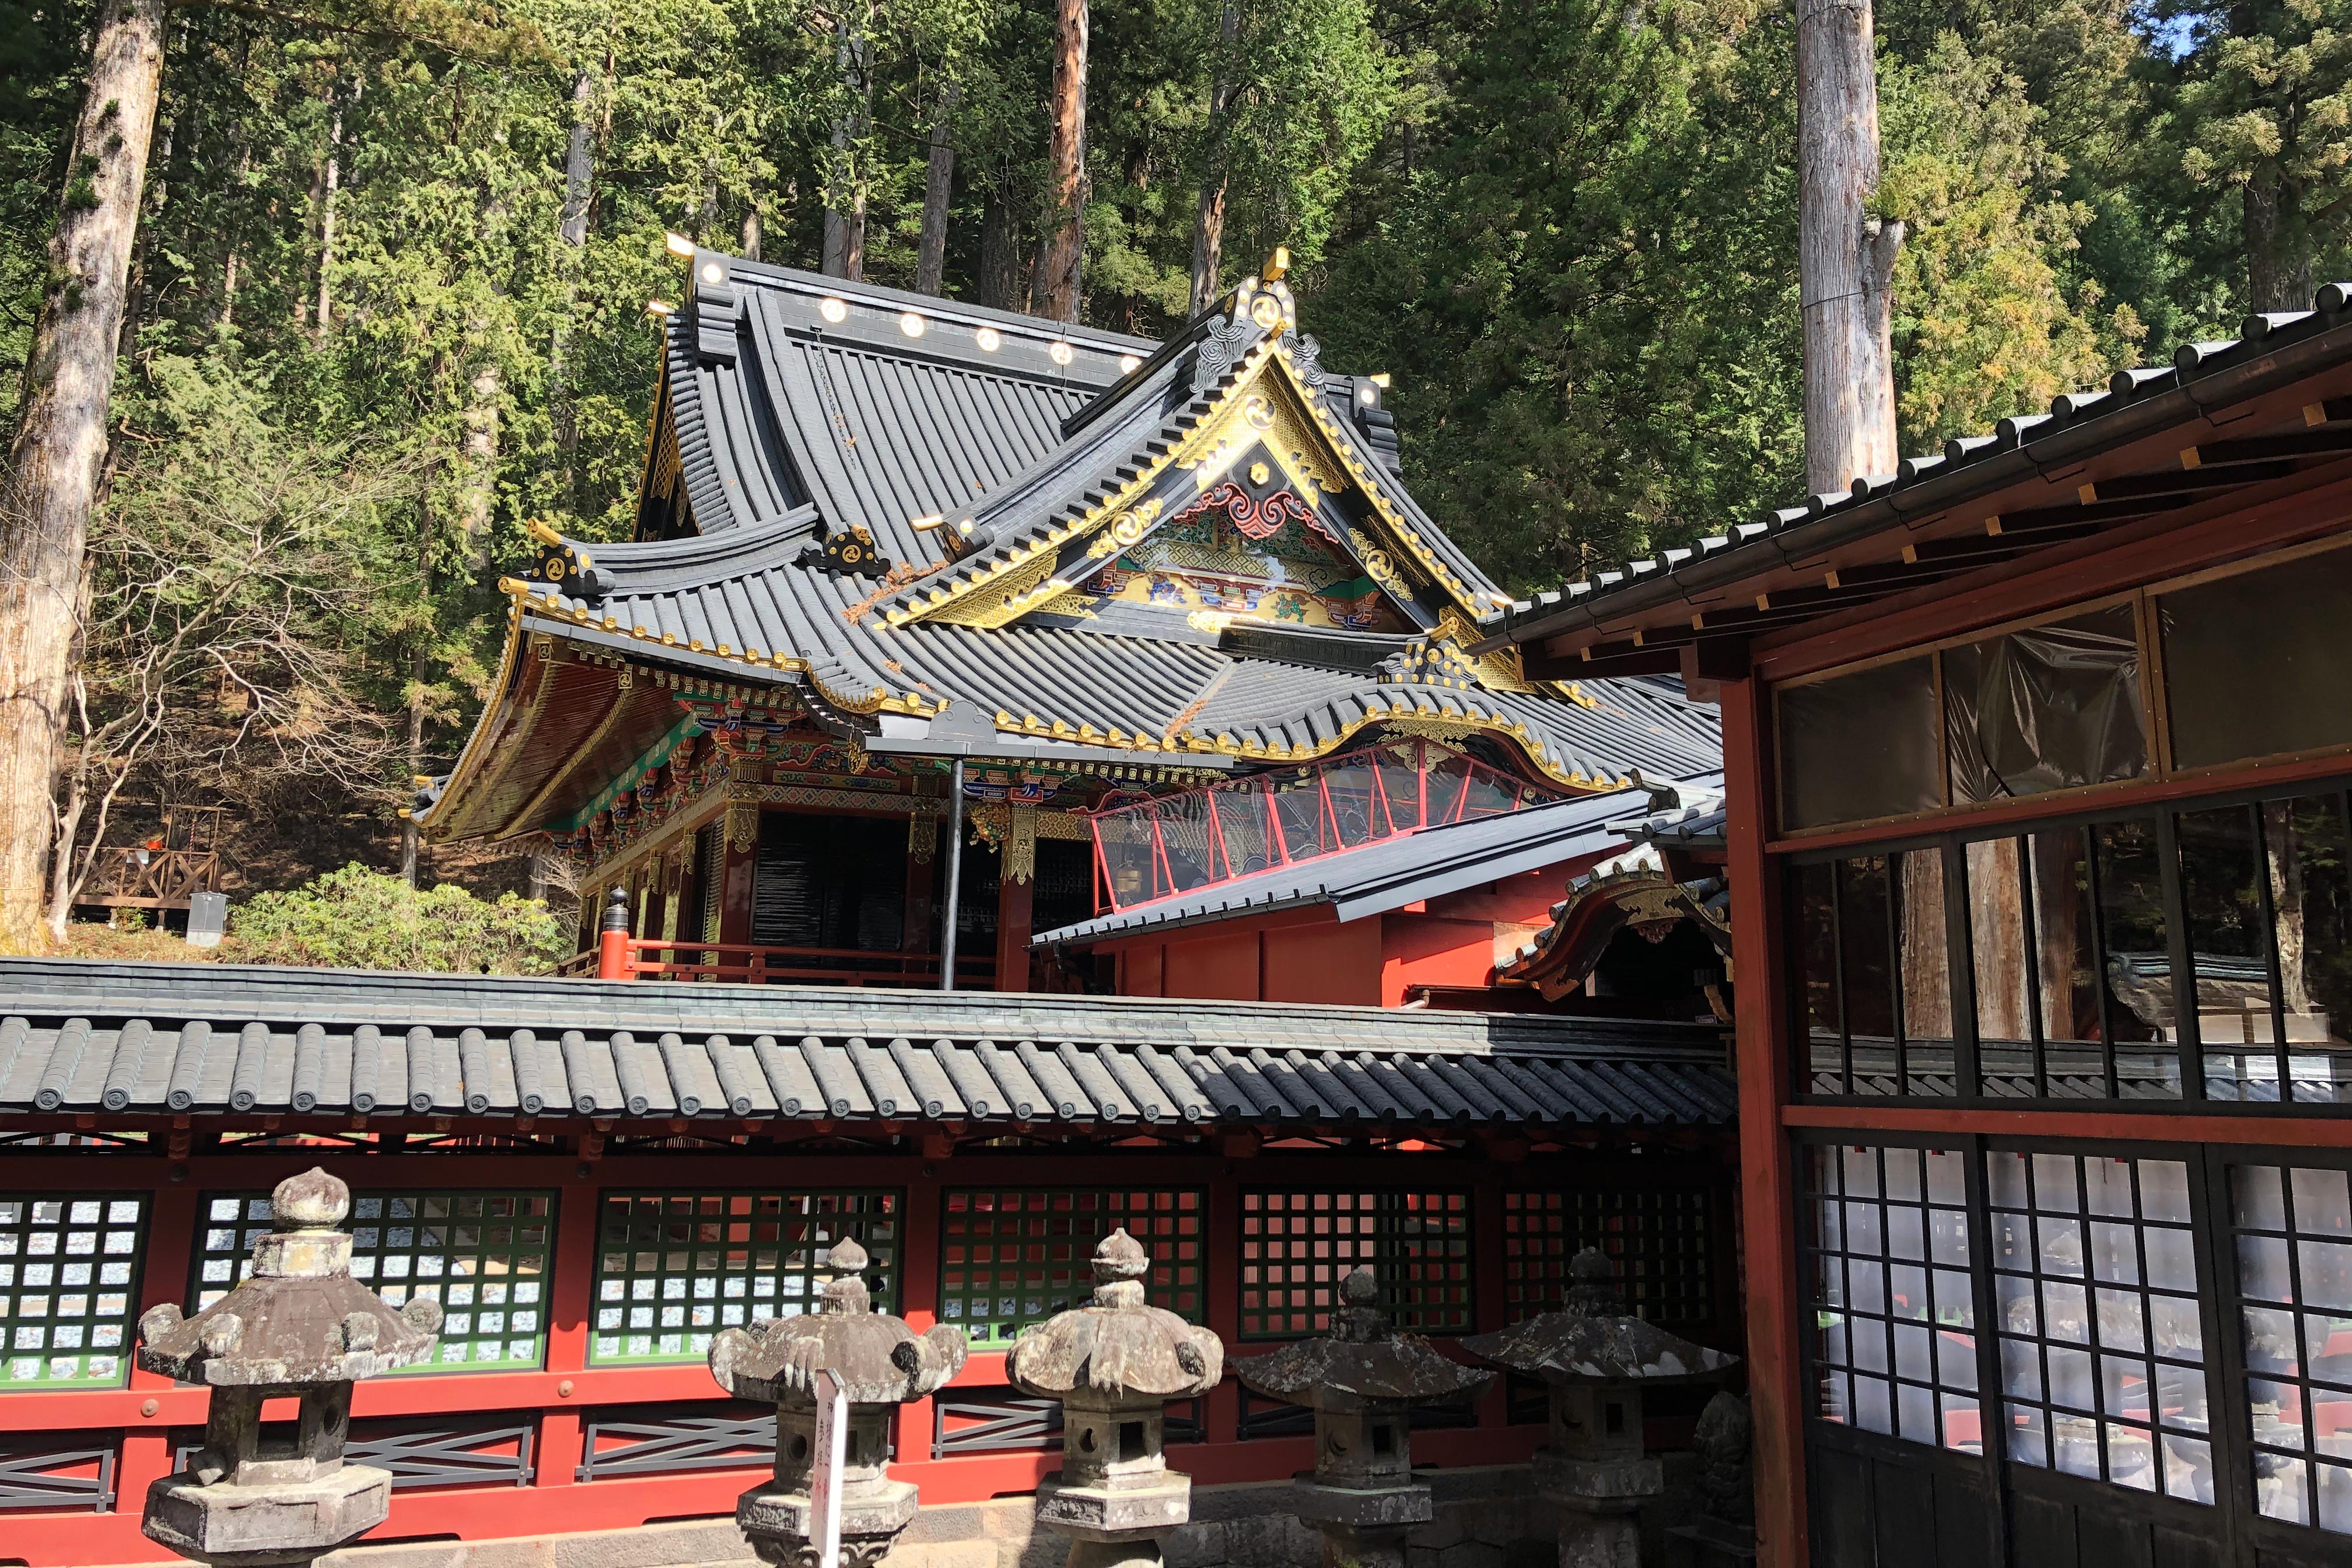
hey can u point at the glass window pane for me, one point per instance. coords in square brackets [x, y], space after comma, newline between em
[2253, 664]
[1859, 746]
[2129, 885]
[1814, 950]
[2050, 706]
[1927, 971]
[1865, 934]
[2000, 955]
[2221, 863]
[2310, 870]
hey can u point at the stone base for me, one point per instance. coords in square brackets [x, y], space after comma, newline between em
[1105, 1515]
[780, 1525]
[1366, 1526]
[1143, 1553]
[255, 1526]
[1711, 1544]
[1600, 1539]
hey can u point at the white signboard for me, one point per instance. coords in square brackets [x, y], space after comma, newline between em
[824, 1479]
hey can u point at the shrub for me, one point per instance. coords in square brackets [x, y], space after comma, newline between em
[361, 919]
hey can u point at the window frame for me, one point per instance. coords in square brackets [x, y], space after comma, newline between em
[1951, 841]
[2154, 707]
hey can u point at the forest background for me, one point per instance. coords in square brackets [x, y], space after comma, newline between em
[389, 292]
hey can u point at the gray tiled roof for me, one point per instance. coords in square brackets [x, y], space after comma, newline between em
[212, 1040]
[2274, 350]
[790, 424]
[1390, 874]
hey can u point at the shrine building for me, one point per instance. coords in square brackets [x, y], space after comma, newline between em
[964, 670]
[2039, 871]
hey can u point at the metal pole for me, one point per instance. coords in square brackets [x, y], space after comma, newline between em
[955, 873]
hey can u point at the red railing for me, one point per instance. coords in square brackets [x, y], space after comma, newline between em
[747, 963]
[1158, 848]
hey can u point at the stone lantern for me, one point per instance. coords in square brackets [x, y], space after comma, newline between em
[300, 1328]
[1114, 1365]
[1362, 1380]
[880, 1364]
[1595, 1362]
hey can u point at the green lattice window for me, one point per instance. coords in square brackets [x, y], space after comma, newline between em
[673, 1268]
[69, 1288]
[1660, 1238]
[483, 1256]
[1015, 1257]
[1297, 1244]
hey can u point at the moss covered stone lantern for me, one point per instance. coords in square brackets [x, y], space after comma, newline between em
[1594, 1361]
[1363, 1381]
[880, 1364]
[300, 1328]
[1114, 1365]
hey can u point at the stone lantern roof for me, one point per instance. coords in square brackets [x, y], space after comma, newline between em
[1593, 1341]
[1117, 1342]
[1364, 1357]
[877, 1357]
[301, 1318]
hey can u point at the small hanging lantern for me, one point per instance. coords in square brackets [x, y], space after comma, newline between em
[880, 1364]
[300, 1328]
[1363, 1381]
[1114, 1365]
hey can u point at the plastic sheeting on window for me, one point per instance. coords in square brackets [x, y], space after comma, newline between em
[2050, 707]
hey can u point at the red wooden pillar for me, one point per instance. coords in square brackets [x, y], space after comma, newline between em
[1221, 1281]
[1489, 1282]
[1016, 889]
[738, 853]
[571, 1310]
[918, 1298]
[173, 1221]
[1768, 1202]
[922, 873]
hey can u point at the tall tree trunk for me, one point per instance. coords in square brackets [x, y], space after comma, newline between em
[485, 400]
[1845, 255]
[1209, 222]
[752, 230]
[571, 228]
[330, 186]
[579, 161]
[1000, 248]
[244, 146]
[844, 212]
[418, 669]
[938, 181]
[53, 468]
[1066, 259]
[2278, 246]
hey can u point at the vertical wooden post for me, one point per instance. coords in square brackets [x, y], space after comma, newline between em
[1221, 1288]
[172, 1223]
[922, 872]
[919, 1299]
[571, 1309]
[616, 958]
[1015, 901]
[1766, 1187]
[1489, 1282]
[737, 860]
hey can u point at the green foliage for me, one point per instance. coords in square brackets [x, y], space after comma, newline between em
[361, 919]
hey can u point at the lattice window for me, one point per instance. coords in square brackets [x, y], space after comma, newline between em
[673, 1268]
[1885, 1265]
[2293, 1228]
[1661, 1240]
[2101, 1343]
[483, 1256]
[1016, 1256]
[69, 1288]
[1298, 1242]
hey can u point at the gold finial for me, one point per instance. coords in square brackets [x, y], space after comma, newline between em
[1277, 264]
[540, 531]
